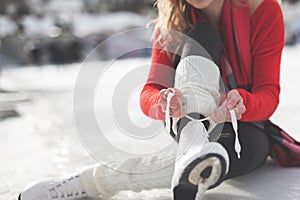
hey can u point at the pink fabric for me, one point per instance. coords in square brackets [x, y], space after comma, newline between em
[285, 150]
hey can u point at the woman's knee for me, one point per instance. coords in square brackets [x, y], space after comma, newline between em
[255, 149]
[203, 41]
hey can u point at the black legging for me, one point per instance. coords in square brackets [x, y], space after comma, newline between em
[255, 148]
[254, 142]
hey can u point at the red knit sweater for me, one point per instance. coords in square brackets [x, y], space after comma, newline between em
[266, 42]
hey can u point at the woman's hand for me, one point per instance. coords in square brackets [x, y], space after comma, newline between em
[177, 103]
[233, 101]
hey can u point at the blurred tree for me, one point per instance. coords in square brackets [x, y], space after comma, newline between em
[138, 6]
[94, 6]
[15, 8]
[293, 1]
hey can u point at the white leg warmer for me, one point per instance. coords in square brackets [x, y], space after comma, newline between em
[198, 78]
[106, 181]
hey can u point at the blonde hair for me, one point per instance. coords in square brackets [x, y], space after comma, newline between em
[173, 15]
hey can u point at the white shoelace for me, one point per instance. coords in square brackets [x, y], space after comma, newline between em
[237, 145]
[65, 189]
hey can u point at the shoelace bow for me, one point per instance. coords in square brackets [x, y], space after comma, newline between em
[65, 189]
[237, 145]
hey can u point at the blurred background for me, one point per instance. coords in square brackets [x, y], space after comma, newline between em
[43, 43]
[61, 32]
[40, 32]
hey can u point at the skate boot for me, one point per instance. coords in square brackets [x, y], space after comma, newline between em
[64, 189]
[200, 164]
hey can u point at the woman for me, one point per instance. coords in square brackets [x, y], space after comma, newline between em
[248, 57]
[242, 41]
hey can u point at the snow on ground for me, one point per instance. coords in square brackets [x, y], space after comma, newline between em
[288, 112]
[43, 142]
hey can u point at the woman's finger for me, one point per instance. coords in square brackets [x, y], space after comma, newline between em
[162, 93]
[239, 111]
[163, 103]
[177, 102]
[177, 113]
[233, 98]
[219, 114]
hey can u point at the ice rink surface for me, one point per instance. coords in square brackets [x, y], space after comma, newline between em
[43, 143]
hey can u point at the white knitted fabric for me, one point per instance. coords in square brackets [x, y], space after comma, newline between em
[198, 79]
[107, 181]
[87, 180]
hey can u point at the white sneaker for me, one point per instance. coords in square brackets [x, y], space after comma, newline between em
[200, 165]
[64, 189]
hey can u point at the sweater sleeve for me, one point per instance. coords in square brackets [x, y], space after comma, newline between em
[161, 75]
[267, 42]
